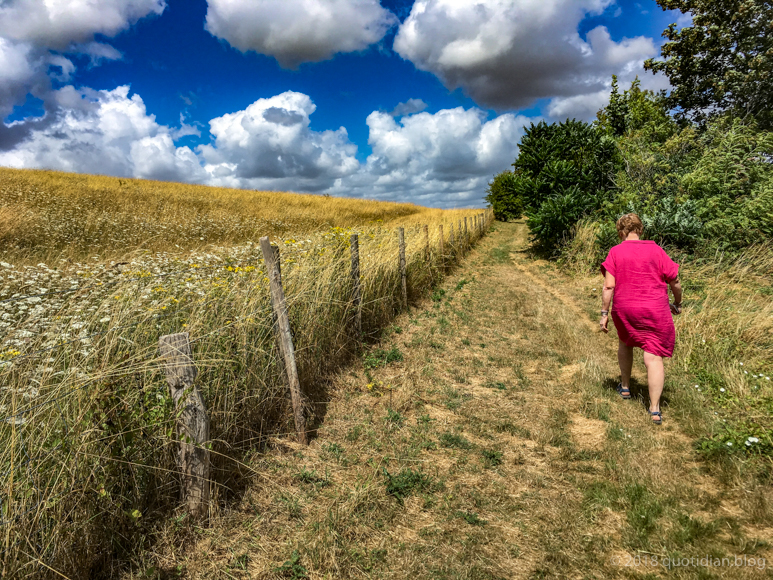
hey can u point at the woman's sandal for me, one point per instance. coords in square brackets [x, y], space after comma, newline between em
[657, 417]
[624, 392]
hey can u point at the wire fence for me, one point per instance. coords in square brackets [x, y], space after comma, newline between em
[72, 410]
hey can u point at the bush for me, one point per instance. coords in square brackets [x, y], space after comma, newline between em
[504, 198]
[555, 217]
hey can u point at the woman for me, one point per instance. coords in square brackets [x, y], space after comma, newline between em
[638, 273]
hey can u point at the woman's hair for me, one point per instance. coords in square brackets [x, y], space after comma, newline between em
[630, 222]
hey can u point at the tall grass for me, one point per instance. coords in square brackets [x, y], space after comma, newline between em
[49, 215]
[87, 445]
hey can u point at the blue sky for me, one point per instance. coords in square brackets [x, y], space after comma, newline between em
[305, 95]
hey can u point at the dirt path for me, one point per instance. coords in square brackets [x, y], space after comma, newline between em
[496, 448]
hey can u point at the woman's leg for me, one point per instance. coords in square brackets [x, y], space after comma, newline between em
[656, 376]
[625, 359]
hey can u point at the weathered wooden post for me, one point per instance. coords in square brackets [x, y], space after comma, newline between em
[451, 235]
[461, 239]
[192, 421]
[403, 273]
[441, 248]
[466, 235]
[286, 349]
[354, 242]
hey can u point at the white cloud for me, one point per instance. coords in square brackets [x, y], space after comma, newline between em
[105, 132]
[270, 145]
[508, 53]
[442, 159]
[18, 72]
[59, 23]
[30, 29]
[298, 31]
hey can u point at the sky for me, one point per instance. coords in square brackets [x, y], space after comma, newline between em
[421, 101]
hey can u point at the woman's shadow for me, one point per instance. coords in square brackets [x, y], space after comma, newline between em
[639, 391]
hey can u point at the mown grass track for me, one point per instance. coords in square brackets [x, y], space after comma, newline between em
[483, 439]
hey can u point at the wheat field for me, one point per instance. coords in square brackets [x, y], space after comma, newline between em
[50, 215]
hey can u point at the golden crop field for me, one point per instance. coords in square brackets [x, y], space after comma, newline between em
[50, 215]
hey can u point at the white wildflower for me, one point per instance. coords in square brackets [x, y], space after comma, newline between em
[722, 390]
[729, 443]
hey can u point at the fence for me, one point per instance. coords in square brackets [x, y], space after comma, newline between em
[118, 421]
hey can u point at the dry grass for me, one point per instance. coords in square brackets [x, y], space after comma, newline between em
[496, 448]
[49, 215]
[87, 463]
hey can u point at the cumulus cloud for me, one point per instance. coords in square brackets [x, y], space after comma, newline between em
[443, 159]
[270, 145]
[298, 31]
[508, 53]
[31, 29]
[105, 132]
[59, 23]
[409, 107]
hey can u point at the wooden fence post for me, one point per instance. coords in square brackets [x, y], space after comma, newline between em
[466, 235]
[286, 349]
[441, 248]
[356, 299]
[461, 239]
[451, 235]
[403, 273]
[192, 421]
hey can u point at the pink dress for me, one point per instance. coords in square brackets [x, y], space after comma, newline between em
[640, 310]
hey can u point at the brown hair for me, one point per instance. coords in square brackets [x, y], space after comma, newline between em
[630, 222]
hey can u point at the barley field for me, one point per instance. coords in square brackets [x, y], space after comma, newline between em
[93, 270]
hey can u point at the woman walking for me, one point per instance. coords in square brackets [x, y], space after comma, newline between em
[638, 274]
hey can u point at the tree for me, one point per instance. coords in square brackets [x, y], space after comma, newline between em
[563, 172]
[504, 198]
[722, 63]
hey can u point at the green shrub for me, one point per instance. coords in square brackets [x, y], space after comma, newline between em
[504, 198]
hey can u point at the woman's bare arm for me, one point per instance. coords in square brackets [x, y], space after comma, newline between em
[676, 290]
[606, 300]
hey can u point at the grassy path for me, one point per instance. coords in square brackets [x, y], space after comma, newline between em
[483, 439]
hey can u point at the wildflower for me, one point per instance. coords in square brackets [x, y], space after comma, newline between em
[722, 390]
[729, 443]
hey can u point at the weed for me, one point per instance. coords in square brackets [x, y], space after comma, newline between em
[353, 434]
[454, 440]
[491, 457]
[461, 284]
[471, 518]
[394, 420]
[406, 482]
[293, 568]
[381, 357]
[438, 294]
[334, 450]
[311, 477]
[499, 385]
[239, 562]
